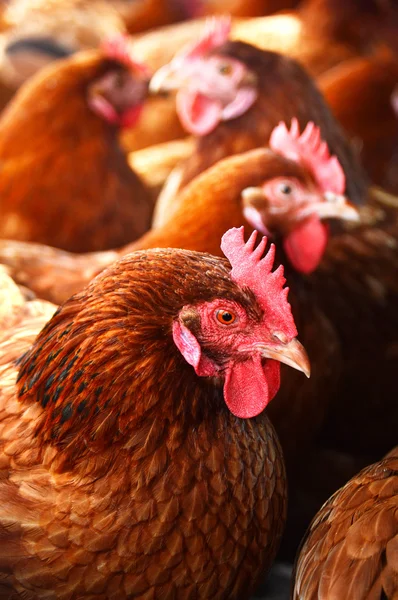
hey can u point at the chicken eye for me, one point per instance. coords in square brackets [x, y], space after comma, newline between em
[225, 69]
[285, 188]
[226, 317]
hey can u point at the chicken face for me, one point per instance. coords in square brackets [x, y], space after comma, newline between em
[243, 342]
[294, 208]
[210, 87]
[118, 97]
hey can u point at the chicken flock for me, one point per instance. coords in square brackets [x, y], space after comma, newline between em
[198, 298]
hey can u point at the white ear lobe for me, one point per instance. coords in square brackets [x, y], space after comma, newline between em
[187, 344]
[190, 348]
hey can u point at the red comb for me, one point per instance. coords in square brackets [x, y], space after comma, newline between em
[249, 269]
[309, 149]
[118, 48]
[215, 33]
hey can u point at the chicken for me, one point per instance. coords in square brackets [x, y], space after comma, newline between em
[117, 481]
[350, 548]
[359, 92]
[64, 179]
[231, 96]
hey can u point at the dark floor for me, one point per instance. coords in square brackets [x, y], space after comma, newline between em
[277, 585]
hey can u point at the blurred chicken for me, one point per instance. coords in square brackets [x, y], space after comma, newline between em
[350, 550]
[231, 96]
[64, 179]
[118, 481]
[17, 304]
[359, 92]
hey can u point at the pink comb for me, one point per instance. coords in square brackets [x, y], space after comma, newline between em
[309, 149]
[118, 48]
[215, 33]
[250, 270]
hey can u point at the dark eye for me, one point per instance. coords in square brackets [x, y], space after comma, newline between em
[226, 317]
[225, 69]
[285, 188]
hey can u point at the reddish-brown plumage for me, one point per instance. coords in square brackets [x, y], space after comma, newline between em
[359, 93]
[124, 474]
[64, 179]
[350, 550]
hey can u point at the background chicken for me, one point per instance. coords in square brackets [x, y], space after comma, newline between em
[350, 548]
[64, 179]
[200, 508]
[360, 92]
[231, 96]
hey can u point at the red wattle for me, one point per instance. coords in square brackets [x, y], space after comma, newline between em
[249, 386]
[306, 244]
[199, 114]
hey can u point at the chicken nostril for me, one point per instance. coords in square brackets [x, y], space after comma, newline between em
[281, 337]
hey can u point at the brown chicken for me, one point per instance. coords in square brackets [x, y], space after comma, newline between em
[231, 96]
[117, 482]
[64, 179]
[360, 92]
[241, 8]
[350, 550]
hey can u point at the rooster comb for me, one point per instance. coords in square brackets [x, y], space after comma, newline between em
[310, 150]
[118, 47]
[215, 33]
[253, 270]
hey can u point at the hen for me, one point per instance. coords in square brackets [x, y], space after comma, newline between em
[232, 95]
[350, 550]
[64, 179]
[137, 460]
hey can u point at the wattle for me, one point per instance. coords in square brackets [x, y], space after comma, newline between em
[199, 114]
[249, 386]
[306, 244]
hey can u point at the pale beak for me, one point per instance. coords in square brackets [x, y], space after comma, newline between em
[166, 79]
[291, 353]
[251, 194]
[336, 207]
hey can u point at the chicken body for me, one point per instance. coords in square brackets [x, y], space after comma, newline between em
[119, 482]
[350, 548]
[64, 179]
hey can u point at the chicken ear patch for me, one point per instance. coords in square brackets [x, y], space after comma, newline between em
[249, 386]
[190, 348]
[306, 244]
[199, 114]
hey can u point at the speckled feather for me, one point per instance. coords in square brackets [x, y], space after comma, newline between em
[351, 548]
[124, 475]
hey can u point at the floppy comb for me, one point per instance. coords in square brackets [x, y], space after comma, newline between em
[118, 48]
[250, 269]
[215, 33]
[310, 150]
